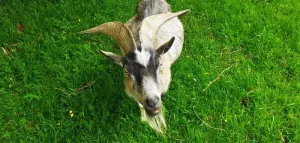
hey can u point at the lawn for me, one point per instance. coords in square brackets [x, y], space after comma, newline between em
[237, 80]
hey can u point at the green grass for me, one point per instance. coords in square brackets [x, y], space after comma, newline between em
[256, 100]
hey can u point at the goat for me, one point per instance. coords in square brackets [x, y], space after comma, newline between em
[150, 43]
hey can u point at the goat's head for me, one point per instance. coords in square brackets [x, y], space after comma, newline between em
[141, 64]
[141, 69]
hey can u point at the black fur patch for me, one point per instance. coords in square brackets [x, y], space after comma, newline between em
[139, 71]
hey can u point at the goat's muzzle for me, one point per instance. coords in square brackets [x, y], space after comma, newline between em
[153, 106]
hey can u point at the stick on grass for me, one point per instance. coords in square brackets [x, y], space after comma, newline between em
[5, 51]
[220, 129]
[84, 87]
[218, 78]
[66, 93]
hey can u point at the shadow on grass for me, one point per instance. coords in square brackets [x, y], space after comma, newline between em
[104, 106]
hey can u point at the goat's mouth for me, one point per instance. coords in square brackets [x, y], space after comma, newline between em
[153, 111]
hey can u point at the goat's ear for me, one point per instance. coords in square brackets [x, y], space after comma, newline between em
[165, 47]
[116, 58]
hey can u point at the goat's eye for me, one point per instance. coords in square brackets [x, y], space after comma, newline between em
[160, 64]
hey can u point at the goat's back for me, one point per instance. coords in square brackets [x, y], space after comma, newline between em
[172, 28]
[144, 9]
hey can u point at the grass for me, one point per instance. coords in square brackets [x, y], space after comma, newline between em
[49, 70]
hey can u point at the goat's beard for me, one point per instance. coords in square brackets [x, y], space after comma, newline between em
[156, 122]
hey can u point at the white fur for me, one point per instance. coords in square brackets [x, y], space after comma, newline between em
[150, 87]
[164, 73]
[143, 57]
[158, 122]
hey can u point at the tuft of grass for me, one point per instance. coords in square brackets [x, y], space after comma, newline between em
[55, 87]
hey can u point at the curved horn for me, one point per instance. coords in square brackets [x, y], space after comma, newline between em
[118, 31]
[151, 25]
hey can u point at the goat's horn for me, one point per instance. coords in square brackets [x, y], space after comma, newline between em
[151, 25]
[118, 31]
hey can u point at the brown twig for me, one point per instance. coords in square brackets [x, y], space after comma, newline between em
[5, 51]
[66, 93]
[220, 129]
[84, 87]
[235, 51]
[222, 53]
[223, 50]
[12, 45]
[250, 92]
[217, 78]
[283, 139]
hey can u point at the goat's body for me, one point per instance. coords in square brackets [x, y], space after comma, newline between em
[150, 42]
[172, 28]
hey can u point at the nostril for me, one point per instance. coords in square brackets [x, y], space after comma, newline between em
[152, 102]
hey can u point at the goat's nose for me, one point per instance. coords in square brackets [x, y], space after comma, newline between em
[152, 102]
